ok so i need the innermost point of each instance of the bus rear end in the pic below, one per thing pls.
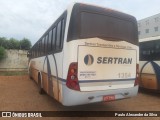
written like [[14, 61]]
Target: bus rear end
[[100, 56]]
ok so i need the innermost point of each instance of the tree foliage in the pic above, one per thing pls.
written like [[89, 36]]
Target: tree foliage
[[2, 53], [13, 43], [25, 44]]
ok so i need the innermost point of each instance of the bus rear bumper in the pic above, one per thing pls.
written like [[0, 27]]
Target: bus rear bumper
[[72, 97]]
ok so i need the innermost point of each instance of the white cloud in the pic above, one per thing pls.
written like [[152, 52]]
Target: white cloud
[[31, 18]]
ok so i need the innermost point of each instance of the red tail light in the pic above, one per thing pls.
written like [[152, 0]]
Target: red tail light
[[137, 75], [72, 78]]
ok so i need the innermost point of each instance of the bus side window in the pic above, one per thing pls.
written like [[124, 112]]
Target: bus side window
[[33, 51], [43, 47], [58, 40], [46, 44], [39, 47], [157, 46], [50, 42], [53, 39], [36, 50], [39, 50], [63, 30]]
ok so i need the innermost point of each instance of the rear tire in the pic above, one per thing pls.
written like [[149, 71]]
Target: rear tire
[[40, 89]]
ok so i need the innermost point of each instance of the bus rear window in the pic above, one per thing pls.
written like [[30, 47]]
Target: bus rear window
[[103, 26], [97, 22]]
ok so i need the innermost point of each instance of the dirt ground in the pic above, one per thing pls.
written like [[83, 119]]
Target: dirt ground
[[19, 93]]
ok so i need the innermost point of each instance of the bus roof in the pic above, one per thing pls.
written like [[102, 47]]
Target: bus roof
[[94, 5], [149, 39], [100, 9]]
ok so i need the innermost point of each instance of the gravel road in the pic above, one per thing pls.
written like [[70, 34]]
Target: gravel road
[[19, 93]]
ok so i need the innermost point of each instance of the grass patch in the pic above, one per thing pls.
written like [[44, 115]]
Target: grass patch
[[13, 73]]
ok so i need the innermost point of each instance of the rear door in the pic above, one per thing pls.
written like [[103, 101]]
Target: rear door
[[106, 66]]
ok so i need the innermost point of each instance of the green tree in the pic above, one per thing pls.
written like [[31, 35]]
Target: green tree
[[2, 53], [6, 44], [2, 41], [25, 44], [14, 44]]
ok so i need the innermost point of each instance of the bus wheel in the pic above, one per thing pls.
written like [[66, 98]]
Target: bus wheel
[[40, 89]]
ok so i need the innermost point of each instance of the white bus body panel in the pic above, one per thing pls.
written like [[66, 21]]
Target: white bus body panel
[[72, 97], [108, 70], [148, 68], [76, 50]]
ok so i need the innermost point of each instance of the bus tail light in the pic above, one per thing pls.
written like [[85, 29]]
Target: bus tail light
[[72, 78], [137, 75]]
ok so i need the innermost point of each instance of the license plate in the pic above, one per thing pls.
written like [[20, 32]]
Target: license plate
[[109, 98]]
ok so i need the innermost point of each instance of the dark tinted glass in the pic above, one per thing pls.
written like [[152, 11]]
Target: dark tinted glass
[[36, 49], [90, 21], [50, 41], [95, 25], [46, 44], [150, 50], [38, 43], [58, 40], [40, 49], [43, 46], [33, 51], [63, 32], [54, 38]]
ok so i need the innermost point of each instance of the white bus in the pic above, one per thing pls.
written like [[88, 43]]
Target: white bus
[[150, 63], [90, 54]]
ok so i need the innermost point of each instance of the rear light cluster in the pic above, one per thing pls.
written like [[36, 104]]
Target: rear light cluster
[[137, 75], [72, 78]]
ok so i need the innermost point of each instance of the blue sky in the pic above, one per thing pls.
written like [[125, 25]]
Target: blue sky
[[31, 18]]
